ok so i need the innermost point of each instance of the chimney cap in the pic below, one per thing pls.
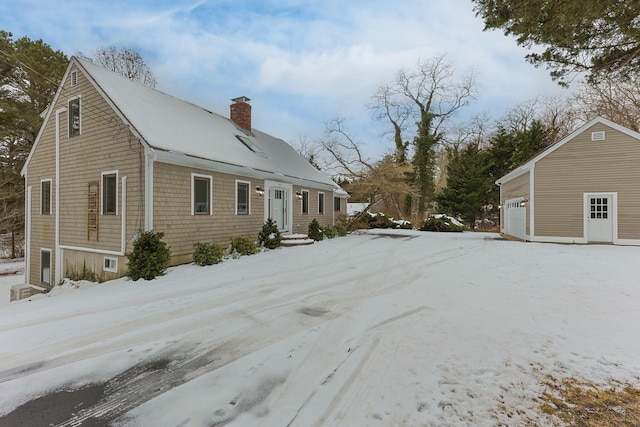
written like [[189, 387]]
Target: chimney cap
[[240, 99]]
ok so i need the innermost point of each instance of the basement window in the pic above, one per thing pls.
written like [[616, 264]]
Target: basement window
[[110, 264], [249, 144]]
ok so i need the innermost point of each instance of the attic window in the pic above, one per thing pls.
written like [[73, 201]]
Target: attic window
[[74, 78], [249, 144], [597, 136]]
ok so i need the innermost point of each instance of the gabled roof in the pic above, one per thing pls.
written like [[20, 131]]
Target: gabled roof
[[176, 128], [527, 166]]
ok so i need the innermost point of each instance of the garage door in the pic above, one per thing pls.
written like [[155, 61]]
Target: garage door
[[515, 218]]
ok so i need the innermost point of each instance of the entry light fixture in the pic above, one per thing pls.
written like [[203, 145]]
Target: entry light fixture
[[299, 194], [259, 190], [524, 202]]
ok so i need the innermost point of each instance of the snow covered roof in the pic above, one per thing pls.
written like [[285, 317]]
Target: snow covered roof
[[171, 125], [527, 166]]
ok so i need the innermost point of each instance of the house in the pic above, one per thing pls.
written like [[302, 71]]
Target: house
[[583, 189], [114, 158]]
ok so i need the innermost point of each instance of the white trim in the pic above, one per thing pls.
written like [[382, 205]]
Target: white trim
[[240, 181], [123, 219], [42, 181], [102, 175], [628, 242], [50, 267], [150, 158], [530, 205], [91, 250], [302, 212], [558, 239], [193, 192], [288, 188], [110, 269], [613, 212], [179, 159], [324, 203], [58, 254], [27, 227]]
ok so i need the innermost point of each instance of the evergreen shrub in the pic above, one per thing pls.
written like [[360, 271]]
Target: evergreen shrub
[[440, 223], [207, 254], [244, 246], [315, 231], [150, 256], [270, 237]]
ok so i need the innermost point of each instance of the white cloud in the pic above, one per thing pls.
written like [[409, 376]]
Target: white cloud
[[301, 63]]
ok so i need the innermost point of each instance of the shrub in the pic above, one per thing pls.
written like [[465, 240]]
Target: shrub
[[150, 256], [207, 254], [244, 246], [441, 223], [341, 230], [315, 231], [270, 237], [329, 232]]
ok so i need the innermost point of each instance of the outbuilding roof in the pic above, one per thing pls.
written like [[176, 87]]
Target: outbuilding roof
[[527, 166]]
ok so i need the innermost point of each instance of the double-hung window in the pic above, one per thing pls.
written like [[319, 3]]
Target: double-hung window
[[305, 202], [45, 197], [242, 198], [74, 117], [336, 204], [201, 194], [320, 203], [109, 193]]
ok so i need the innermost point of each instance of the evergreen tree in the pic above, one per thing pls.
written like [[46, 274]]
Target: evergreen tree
[[594, 36], [467, 194], [29, 75]]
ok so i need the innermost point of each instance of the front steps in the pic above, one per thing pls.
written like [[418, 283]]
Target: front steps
[[289, 240]]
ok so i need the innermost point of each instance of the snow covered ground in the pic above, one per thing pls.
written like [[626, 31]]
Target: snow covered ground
[[388, 328], [11, 273]]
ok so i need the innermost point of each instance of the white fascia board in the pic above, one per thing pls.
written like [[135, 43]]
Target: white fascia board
[[180, 159]]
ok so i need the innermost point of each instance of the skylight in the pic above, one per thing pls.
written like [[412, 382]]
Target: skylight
[[249, 144]]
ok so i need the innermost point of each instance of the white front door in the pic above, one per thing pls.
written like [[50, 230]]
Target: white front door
[[279, 208], [599, 211]]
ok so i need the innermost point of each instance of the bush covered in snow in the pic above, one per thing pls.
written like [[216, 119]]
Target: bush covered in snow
[[315, 231], [207, 254], [380, 220], [270, 237], [243, 246], [150, 256], [441, 222]]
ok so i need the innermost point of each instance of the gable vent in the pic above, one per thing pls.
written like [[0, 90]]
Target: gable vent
[[597, 136], [74, 78]]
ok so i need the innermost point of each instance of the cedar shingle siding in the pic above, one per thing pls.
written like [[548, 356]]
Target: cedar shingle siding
[[106, 143]]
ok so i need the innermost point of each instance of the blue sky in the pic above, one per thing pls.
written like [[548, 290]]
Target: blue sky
[[301, 62]]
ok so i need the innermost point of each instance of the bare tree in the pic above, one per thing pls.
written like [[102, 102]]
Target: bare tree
[[126, 62], [616, 100], [420, 102]]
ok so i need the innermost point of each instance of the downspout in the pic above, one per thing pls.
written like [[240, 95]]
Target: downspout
[[532, 205], [148, 189], [58, 251], [123, 226], [27, 236]]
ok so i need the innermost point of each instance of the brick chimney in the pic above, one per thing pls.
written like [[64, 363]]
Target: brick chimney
[[241, 112]]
